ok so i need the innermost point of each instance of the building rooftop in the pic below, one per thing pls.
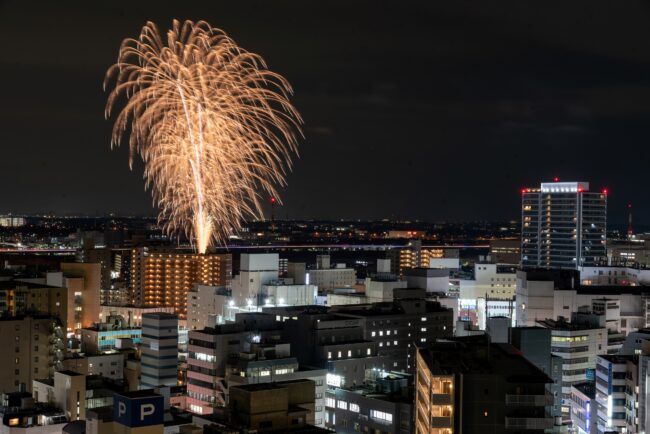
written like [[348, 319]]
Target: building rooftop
[[475, 355], [588, 388], [564, 325]]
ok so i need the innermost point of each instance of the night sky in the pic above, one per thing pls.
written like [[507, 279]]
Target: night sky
[[417, 110]]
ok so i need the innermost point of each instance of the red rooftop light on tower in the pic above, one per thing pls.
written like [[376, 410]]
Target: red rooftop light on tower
[[605, 191], [556, 179]]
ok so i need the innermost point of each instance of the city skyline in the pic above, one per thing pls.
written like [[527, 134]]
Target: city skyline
[[470, 107]]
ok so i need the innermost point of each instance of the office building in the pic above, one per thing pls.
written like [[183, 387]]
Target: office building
[[66, 390], [470, 385], [398, 326], [271, 363], [563, 225], [327, 279], [255, 270], [328, 340], [209, 351], [383, 404], [584, 411], [159, 360], [578, 344], [611, 393], [163, 278]]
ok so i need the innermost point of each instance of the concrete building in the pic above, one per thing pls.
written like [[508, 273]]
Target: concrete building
[[331, 341], [563, 225], [255, 271], [33, 346], [84, 284], [545, 294], [159, 360], [19, 415], [163, 278], [398, 326], [327, 279], [433, 280], [578, 344], [204, 302], [271, 363], [505, 251], [535, 345], [583, 407], [108, 365], [132, 315], [108, 335], [384, 403], [279, 407], [209, 351], [610, 393], [67, 391], [470, 385]]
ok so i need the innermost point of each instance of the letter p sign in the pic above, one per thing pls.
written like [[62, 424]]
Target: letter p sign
[[121, 408], [146, 410]]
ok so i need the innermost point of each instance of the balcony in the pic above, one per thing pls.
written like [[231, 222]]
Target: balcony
[[532, 423], [441, 399], [441, 422]]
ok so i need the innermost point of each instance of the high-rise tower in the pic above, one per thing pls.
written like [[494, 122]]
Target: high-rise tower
[[563, 225]]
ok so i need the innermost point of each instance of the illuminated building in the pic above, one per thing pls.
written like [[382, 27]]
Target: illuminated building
[[209, 351], [610, 393], [578, 344], [383, 404], [159, 361], [414, 255], [163, 279], [12, 221], [106, 335], [471, 385], [583, 407], [563, 225]]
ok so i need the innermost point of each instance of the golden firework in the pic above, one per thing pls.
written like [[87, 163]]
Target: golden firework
[[213, 125]]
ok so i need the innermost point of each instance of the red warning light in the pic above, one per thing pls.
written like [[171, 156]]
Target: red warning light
[[272, 200], [604, 191], [556, 179], [523, 190], [580, 189]]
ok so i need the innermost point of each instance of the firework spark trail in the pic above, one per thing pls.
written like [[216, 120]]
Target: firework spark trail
[[212, 124]]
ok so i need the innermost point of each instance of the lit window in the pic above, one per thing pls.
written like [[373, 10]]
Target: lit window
[[354, 407], [387, 332], [329, 354], [330, 402], [373, 334], [380, 415], [349, 353], [342, 405], [339, 354], [424, 318], [368, 352], [423, 329]]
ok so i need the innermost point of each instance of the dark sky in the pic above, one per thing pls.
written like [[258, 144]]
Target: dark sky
[[436, 110]]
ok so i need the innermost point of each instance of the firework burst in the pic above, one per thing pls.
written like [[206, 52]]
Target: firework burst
[[212, 124]]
